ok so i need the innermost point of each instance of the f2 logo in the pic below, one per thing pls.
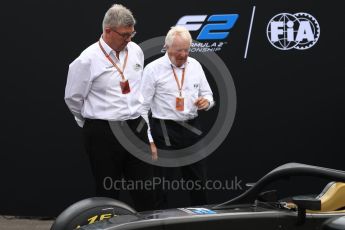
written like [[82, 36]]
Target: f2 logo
[[211, 31]]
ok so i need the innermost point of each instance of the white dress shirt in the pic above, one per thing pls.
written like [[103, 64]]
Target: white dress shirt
[[93, 84], [159, 90]]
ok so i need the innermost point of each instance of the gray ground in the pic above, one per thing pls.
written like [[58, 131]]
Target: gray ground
[[12, 223]]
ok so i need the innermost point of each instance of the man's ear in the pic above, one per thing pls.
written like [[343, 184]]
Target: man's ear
[[107, 30]]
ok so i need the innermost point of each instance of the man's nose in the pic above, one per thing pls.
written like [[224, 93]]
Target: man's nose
[[185, 54]]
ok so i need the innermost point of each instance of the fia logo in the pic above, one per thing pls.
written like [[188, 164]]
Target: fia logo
[[217, 28], [287, 31]]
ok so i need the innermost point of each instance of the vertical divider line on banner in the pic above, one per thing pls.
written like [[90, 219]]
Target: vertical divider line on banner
[[249, 32]]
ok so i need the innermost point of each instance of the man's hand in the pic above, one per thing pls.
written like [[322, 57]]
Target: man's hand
[[154, 153], [202, 103]]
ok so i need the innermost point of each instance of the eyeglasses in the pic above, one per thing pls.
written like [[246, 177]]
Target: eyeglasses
[[126, 35], [182, 50]]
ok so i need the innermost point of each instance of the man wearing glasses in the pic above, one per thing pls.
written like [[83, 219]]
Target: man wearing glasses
[[103, 86]]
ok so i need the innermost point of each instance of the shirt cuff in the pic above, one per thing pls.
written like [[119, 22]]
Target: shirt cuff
[[211, 103], [80, 121], [146, 118]]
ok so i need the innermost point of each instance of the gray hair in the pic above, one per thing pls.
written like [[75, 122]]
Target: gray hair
[[118, 15], [177, 30]]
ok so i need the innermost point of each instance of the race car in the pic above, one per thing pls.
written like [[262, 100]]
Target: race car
[[256, 208]]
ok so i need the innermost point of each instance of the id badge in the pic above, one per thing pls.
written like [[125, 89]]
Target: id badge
[[125, 87], [179, 103]]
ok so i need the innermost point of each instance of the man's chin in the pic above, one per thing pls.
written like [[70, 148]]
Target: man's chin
[[123, 46], [180, 63]]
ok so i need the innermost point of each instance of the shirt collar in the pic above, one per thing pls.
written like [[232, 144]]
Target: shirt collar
[[168, 61], [108, 49]]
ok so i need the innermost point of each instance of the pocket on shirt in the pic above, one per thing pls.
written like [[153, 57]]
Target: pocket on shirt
[[194, 90], [101, 82]]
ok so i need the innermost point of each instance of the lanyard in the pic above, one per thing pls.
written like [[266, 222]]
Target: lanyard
[[114, 64], [176, 79]]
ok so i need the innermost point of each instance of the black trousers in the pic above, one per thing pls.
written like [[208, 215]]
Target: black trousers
[[180, 137], [113, 167]]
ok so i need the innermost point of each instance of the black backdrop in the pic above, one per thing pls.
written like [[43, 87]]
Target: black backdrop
[[290, 104]]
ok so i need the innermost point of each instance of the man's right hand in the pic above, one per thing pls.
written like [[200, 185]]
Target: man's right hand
[[154, 153]]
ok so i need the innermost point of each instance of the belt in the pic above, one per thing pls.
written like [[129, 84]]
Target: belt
[[101, 120], [188, 124], [176, 121]]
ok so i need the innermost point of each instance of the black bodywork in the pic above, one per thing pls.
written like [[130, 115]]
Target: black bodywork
[[254, 209]]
